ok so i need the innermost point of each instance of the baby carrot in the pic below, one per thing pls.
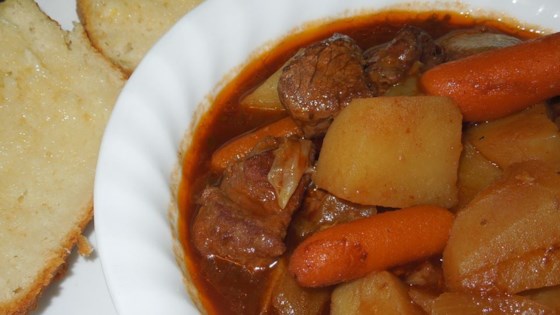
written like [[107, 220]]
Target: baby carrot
[[242, 145], [352, 250], [496, 83]]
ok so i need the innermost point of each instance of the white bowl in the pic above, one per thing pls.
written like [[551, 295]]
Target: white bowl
[[155, 110]]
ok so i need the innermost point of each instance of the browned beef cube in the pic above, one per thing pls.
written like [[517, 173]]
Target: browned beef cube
[[321, 210], [241, 220], [390, 63], [321, 80]]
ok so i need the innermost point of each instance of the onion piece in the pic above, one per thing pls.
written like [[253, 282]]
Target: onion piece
[[291, 161], [463, 43]]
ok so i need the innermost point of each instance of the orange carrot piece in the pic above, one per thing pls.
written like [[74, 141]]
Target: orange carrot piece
[[497, 83], [240, 146], [352, 250]]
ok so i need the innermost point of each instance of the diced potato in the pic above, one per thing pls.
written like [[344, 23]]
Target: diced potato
[[475, 174], [423, 297], [409, 87], [426, 275], [284, 296], [393, 151], [528, 135], [265, 97], [464, 304], [547, 296], [377, 293], [500, 231], [511, 275], [425, 283]]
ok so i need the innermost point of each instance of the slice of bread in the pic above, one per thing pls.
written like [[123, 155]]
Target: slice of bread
[[124, 30], [56, 94]]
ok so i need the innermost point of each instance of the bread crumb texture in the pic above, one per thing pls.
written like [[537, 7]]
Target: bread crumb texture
[[56, 94], [124, 30]]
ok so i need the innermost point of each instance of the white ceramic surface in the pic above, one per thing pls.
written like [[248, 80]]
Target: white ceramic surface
[[83, 290], [139, 150]]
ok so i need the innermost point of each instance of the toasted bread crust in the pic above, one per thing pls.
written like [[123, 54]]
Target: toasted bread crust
[[28, 300], [124, 30]]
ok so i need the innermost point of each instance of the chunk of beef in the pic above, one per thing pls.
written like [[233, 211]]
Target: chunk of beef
[[389, 63], [320, 80], [246, 183], [241, 220], [322, 210], [284, 296], [229, 231]]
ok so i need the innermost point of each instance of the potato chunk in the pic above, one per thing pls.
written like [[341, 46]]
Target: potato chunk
[[549, 296], [393, 151], [475, 173], [284, 296], [507, 229], [512, 276], [265, 96], [528, 135], [377, 293], [463, 304]]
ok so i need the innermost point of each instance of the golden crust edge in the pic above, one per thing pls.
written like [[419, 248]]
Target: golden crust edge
[[52, 269], [83, 15]]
